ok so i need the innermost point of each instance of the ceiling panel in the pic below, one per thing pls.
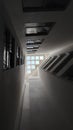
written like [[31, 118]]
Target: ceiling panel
[[37, 29], [44, 5]]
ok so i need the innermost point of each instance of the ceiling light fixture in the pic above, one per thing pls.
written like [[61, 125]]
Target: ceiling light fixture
[[37, 29]]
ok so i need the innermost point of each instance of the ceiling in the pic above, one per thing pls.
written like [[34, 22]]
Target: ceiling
[[60, 36]]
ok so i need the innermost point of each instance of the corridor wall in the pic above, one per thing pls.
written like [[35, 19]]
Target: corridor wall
[[11, 82], [60, 95]]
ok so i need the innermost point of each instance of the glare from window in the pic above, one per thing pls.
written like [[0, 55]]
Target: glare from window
[[32, 64], [41, 57], [28, 58], [37, 57], [28, 62], [32, 57], [28, 67], [37, 62]]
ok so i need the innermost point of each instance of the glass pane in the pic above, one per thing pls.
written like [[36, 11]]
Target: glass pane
[[33, 62], [32, 57], [37, 57], [28, 62], [28, 58], [33, 66], [41, 57], [37, 62], [28, 67]]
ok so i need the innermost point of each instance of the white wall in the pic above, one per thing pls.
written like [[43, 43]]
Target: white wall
[[60, 94]]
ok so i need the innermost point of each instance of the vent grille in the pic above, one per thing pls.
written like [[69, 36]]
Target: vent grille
[[46, 62], [61, 66], [56, 61], [51, 61]]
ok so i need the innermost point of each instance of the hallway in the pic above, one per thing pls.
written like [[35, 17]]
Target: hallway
[[39, 112], [36, 33]]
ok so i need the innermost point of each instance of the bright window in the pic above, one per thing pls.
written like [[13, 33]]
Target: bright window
[[32, 62], [28, 62], [37, 62], [41, 57], [28, 58], [37, 57], [33, 66], [28, 67], [32, 57]]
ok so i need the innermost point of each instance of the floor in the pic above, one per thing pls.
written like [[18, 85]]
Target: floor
[[38, 111]]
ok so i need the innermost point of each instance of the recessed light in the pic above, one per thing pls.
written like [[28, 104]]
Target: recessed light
[[30, 50], [30, 41], [37, 29], [31, 31], [34, 42], [30, 47]]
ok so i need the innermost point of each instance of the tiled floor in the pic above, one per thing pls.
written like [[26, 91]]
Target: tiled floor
[[39, 113]]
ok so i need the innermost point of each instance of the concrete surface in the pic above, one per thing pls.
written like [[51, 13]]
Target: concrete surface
[[39, 110]]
